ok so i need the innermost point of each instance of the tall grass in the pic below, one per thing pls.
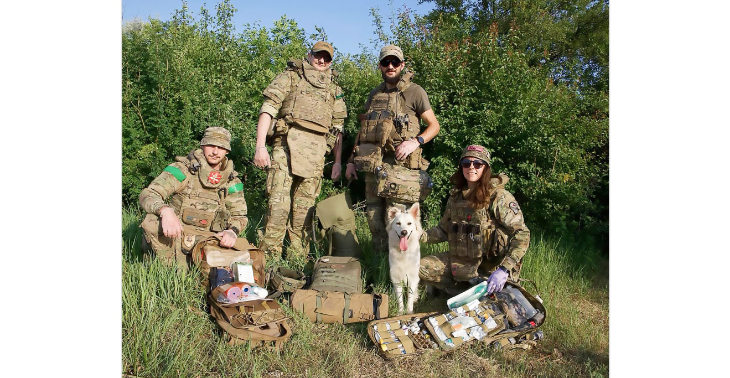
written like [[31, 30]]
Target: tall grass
[[166, 331]]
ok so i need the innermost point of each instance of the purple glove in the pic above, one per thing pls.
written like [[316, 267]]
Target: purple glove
[[496, 280]]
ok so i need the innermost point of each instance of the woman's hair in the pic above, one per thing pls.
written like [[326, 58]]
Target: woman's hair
[[479, 197]]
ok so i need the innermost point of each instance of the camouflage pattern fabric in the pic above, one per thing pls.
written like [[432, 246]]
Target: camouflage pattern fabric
[[506, 245], [307, 151], [376, 213], [199, 196], [299, 99], [291, 202]]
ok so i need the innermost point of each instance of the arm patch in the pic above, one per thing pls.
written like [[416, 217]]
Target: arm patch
[[235, 188], [175, 172]]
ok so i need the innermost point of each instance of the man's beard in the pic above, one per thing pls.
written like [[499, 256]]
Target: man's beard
[[390, 80]]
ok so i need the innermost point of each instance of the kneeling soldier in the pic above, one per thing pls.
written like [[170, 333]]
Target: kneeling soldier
[[205, 198]]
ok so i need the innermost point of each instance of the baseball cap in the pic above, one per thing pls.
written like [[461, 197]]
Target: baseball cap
[[391, 50], [477, 151], [323, 46]]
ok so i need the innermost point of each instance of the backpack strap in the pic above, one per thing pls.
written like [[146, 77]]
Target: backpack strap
[[346, 310], [318, 305]]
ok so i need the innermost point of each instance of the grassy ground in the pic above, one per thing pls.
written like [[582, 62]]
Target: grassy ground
[[166, 331]]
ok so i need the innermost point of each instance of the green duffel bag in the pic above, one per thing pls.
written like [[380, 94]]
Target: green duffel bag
[[402, 184], [335, 273], [335, 225]]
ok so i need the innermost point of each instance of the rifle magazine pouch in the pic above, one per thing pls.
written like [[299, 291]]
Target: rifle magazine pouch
[[368, 157], [339, 307]]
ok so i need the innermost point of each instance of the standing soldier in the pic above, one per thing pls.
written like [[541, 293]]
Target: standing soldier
[[206, 199], [302, 117], [390, 130]]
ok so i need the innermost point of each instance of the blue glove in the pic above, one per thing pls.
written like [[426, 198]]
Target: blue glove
[[496, 280]]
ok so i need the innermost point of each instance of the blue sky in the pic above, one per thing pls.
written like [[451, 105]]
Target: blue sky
[[347, 23]]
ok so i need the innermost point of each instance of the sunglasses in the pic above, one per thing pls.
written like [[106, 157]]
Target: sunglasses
[[466, 163], [322, 55], [387, 62]]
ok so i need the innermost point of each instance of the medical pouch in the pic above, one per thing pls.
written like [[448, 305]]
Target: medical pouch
[[339, 307], [368, 157], [402, 184]]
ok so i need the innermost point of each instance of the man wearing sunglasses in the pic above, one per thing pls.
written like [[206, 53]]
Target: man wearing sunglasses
[[302, 118], [391, 133]]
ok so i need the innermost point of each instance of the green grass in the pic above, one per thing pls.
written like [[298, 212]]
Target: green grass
[[166, 331]]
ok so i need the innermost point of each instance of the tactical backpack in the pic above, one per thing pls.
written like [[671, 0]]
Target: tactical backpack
[[402, 184], [259, 322], [335, 273], [498, 319], [209, 255], [334, 223]]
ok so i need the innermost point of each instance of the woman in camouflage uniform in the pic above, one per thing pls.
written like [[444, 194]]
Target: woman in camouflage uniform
[[484, 227]]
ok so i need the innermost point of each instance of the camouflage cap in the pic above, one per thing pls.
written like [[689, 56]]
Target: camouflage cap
[[478, 152], [323, 46], [217, 136], [391, 50]]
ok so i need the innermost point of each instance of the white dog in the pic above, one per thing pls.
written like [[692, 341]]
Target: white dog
[[404, 252]]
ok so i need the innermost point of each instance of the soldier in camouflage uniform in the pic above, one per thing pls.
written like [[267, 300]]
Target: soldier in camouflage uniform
[[302, 118], [391, 128], [206, 198], [484, 227]]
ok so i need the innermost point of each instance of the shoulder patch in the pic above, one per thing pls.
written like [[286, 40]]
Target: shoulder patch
[[235, 188], [175, 172], [515, 207]]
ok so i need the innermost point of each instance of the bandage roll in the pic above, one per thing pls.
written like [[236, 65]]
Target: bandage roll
[[246, 289], [233, 293]]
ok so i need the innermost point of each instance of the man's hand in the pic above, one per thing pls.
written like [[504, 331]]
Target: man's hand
[[350, 172], [261, 159], [171, 226], [228, 238], [336, 171], [405, 149]]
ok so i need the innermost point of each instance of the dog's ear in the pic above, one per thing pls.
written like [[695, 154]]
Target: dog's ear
[[415, 210], [392, 212]]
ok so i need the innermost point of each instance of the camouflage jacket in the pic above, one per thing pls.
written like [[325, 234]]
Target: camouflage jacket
[[200, 195], [498, 231]]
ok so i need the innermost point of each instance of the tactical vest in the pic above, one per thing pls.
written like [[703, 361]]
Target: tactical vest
[[473, 233], [201, 204], [388, 119], [311, 100]]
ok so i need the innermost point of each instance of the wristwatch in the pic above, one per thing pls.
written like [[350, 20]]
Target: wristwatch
[[420, 140], [234, 229]]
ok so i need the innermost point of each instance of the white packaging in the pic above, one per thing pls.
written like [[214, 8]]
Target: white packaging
[[242, 272]]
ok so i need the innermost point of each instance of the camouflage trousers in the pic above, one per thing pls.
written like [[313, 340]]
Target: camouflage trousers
[[377, 214], [290, 207], [445, 272], [165, 250]]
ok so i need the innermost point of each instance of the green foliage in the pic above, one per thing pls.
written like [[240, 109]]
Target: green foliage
[[550, 137], [528, 80]]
